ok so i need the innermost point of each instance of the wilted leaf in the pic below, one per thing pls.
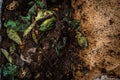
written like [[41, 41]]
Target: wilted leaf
[[26, 32], [39, 15], [42, 14], [13, 35], [34, 37], [82, 41], [7, 55], [26, 59], [47, 24]]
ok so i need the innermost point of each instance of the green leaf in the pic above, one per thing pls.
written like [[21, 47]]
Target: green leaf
[[82, 41], [47, 24], [7, 55], [75, 24], [12, 24], [23, 21], [72, 23], [17, 25], [29, 15], [9, 70], [13, 35], [41, 4], [32, 11], [60, 45], [34, 37]]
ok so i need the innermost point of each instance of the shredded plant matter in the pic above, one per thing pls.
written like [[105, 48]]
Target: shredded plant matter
[[41, 39]]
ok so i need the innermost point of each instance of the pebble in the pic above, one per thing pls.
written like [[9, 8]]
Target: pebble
[[105, 77]]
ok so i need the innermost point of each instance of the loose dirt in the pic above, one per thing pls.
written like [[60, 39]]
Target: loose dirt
[[100, 24], [100, 21]]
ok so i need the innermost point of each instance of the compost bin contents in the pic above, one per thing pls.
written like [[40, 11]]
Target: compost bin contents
[[41, 40]]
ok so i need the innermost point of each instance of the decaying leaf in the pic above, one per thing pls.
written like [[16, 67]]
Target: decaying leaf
[[22, 73], [47, 24], [26, 59], [13, 5], [13, 35], [7, 55], [82, 41], [34, 37], [42, 14], [26, 32]]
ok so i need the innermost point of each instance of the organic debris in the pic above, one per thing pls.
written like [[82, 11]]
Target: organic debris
[[82, 41], [7, 55], [13, 35], [47, 24], [43, 39], [13, 5]]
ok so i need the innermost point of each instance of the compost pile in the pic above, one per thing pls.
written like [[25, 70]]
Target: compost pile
[[41, 41]]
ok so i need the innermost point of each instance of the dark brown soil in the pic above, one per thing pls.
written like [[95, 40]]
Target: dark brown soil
[[100, 21], [44, 63]]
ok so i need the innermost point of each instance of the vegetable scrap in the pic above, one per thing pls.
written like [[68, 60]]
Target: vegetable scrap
[[47, 29], [82, 41], [47, 24], [7, 55], [13, 35]]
